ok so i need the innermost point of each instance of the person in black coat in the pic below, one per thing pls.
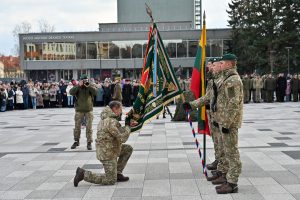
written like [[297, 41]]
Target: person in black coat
[[281, 87], [25, 91], [126, 93], [106, 93], [135, 89]]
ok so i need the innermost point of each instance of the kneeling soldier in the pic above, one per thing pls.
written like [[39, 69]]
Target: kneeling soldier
[[110, 149]]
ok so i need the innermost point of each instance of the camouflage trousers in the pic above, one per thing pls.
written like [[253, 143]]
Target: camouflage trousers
[[89, 122], [215, 134], [111, 168], [230, 163]]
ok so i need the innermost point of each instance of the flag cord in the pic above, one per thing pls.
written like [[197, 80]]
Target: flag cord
[[197, 143]]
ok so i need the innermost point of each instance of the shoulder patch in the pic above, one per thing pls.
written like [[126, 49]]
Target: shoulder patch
[[231, 93]]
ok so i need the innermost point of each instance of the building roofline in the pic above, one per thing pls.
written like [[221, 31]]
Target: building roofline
[[82, 32]]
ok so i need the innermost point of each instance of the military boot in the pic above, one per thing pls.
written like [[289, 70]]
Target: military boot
[[89, 146], [214, 176], [219, 186], [212, 166], [228, 188], [79, 176], [220, 180], [122, 178], [75, 144]]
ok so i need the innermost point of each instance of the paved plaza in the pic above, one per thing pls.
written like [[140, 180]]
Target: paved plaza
[[36, 161]]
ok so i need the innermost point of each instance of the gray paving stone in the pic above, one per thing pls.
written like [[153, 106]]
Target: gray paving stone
[[156, 188], [128, 192], [164, 164], [42, 194], [184, 187]]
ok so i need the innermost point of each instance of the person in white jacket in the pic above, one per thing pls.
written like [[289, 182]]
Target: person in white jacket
[[19, 98], [69, 96]]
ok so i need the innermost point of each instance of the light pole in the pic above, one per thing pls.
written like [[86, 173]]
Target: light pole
[[100, 66], [288, 49]]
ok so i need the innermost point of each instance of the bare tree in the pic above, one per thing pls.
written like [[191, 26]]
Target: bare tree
[[45, 27], [24, 27]]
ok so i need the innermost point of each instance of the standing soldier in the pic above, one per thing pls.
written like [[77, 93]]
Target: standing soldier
[[117, 90], [229, 114], [213, 67], [246, 88], [110, 150], [270, 86], [84, 94], [257, 86]]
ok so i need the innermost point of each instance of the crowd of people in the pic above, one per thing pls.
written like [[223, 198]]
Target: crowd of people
[[32, 95], [36, 95], [269, 88]]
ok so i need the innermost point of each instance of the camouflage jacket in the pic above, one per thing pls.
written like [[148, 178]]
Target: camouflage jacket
[[110, 135], [117, 95], [206, 99], [230, 100]]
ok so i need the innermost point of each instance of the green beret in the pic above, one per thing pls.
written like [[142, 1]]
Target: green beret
[[83, 76], [218, 59], [212, 59], [229, 56]]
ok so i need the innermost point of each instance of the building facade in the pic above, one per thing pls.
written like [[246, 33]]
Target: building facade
[[115, 48]]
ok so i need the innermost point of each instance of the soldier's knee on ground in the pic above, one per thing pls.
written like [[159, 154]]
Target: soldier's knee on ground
[[110, 181]]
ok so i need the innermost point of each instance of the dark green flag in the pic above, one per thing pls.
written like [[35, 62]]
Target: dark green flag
[[152, 97]]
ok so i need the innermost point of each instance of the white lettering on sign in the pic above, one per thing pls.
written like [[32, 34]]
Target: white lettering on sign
[[49, 37]]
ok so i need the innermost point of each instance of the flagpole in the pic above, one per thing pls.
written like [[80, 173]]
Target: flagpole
[[204, 135]]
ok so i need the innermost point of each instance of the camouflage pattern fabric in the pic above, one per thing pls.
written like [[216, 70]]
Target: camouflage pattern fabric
[[110, 136], [230, 142], [89, 122], [117, 95], [229, 115], [111, 168], [230, 100], [180, 114]]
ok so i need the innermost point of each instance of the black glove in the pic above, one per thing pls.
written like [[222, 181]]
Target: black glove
[[127, 121], [186, 106], [225, 130]]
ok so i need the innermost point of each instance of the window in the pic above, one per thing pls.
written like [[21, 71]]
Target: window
[[81, 51], [171, 48], [113, 51], [125, 49], [33, 51], [103, 50], [92, 50], [58, 51], [182, 49], [216, 48], [137, 49], [193, 47]]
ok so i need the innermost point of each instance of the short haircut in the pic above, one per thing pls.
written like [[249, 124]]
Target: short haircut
[[114, 104]]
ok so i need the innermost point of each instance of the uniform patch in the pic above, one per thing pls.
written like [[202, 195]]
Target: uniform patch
[[231, 93]]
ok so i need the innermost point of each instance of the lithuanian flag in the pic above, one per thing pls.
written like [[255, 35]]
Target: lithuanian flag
[[198, 83]]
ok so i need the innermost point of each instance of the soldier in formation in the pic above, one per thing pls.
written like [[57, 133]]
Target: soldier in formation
[[227, 111]]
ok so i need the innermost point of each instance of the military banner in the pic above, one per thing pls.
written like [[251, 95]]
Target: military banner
[[159, 84]]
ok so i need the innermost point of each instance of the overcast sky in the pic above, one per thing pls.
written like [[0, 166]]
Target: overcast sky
[[78, 15]]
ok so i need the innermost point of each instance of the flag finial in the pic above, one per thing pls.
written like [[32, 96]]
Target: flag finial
[[149, 12]]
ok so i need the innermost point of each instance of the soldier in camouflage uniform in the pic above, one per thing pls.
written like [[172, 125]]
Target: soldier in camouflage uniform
[[229, 116], [84, 94], [207, 99], [110, 150]]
